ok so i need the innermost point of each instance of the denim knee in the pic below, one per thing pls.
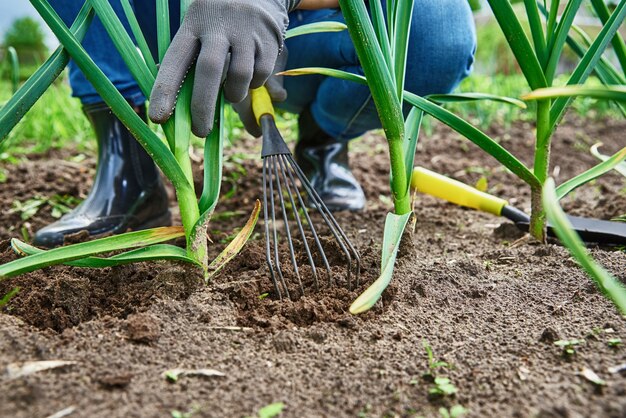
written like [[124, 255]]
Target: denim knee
[[441, 47]]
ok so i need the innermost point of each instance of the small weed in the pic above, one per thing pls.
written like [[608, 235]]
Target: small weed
[[6, 298], [433, 363], [188, 414], [569, 346], [364, 412], [270, 411], [442, 387], [25, 233], [613, 342], [59, 205], [456, 411]]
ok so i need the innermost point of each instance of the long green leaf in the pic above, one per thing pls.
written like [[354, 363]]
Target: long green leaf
[[404, 16], [619, 46], [79, 251], [615, 93], [536, 30], [464, 128], [551, 24], [125, 45], [233, 248], [591, 174], [412, 126], [605, 71], [394, 228], [559, 38], [184, 5], [476, 136], [471, 97], [213, 161], [382, 34], [589, 61], [139, 37], [182, 126], [161, 154], [608, 284], [155, 252], [620, 168], [22, 101], [330, 72], [519, 43], [163, 27], [317, 27]]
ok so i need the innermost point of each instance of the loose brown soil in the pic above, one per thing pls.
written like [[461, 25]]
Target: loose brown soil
[[490, 309]]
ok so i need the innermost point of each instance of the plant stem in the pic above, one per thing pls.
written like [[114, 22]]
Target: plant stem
[[402, 203], [383, 88], [542, 164]]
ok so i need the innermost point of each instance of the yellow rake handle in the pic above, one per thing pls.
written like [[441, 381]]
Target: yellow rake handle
[[261, 103], [454, 191]]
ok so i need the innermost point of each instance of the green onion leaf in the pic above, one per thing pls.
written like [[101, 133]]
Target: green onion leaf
[[79, 251], [593, 173], [316, 27], [608, 284], [394, 228], [152, 253]]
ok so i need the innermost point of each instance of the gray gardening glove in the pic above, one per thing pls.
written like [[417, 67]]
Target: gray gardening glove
[[277, 93], [252, 31]]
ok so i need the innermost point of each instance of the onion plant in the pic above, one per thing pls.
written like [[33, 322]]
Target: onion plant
[[380, 36], [171, 155], [538, 61]]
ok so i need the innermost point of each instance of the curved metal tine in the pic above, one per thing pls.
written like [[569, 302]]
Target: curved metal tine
[[332, 224], [285, 169], [268, 251], [316, 237], [276, 257], [281, 199]]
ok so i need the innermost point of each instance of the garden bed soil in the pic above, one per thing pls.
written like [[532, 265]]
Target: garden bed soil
[[489, 308]]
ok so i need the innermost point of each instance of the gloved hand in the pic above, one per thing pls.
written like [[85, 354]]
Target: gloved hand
[[251, 31], [277, 93]]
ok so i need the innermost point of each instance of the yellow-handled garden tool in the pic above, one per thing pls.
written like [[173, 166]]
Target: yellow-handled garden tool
[[434, 184], [281, 175]]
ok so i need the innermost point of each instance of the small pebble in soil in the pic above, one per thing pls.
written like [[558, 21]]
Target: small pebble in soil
[[143, 328]]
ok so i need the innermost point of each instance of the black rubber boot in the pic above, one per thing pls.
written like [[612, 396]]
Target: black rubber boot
[[127, 193], [324, 161]]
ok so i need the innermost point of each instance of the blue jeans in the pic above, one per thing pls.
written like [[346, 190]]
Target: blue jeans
[[441, 53]]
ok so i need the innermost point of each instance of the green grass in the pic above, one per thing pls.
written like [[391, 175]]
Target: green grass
[[56, 121]]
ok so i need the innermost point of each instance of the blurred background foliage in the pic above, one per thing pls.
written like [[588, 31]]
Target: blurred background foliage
[[57, 121]]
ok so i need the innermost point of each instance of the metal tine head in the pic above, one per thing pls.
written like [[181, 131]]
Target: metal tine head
[[350, 252], [298, 205], [281, 176]]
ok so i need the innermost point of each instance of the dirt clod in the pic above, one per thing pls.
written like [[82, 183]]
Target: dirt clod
[[143, 328]]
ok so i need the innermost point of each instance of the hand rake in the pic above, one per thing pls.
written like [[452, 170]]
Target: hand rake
[[281, 175]]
